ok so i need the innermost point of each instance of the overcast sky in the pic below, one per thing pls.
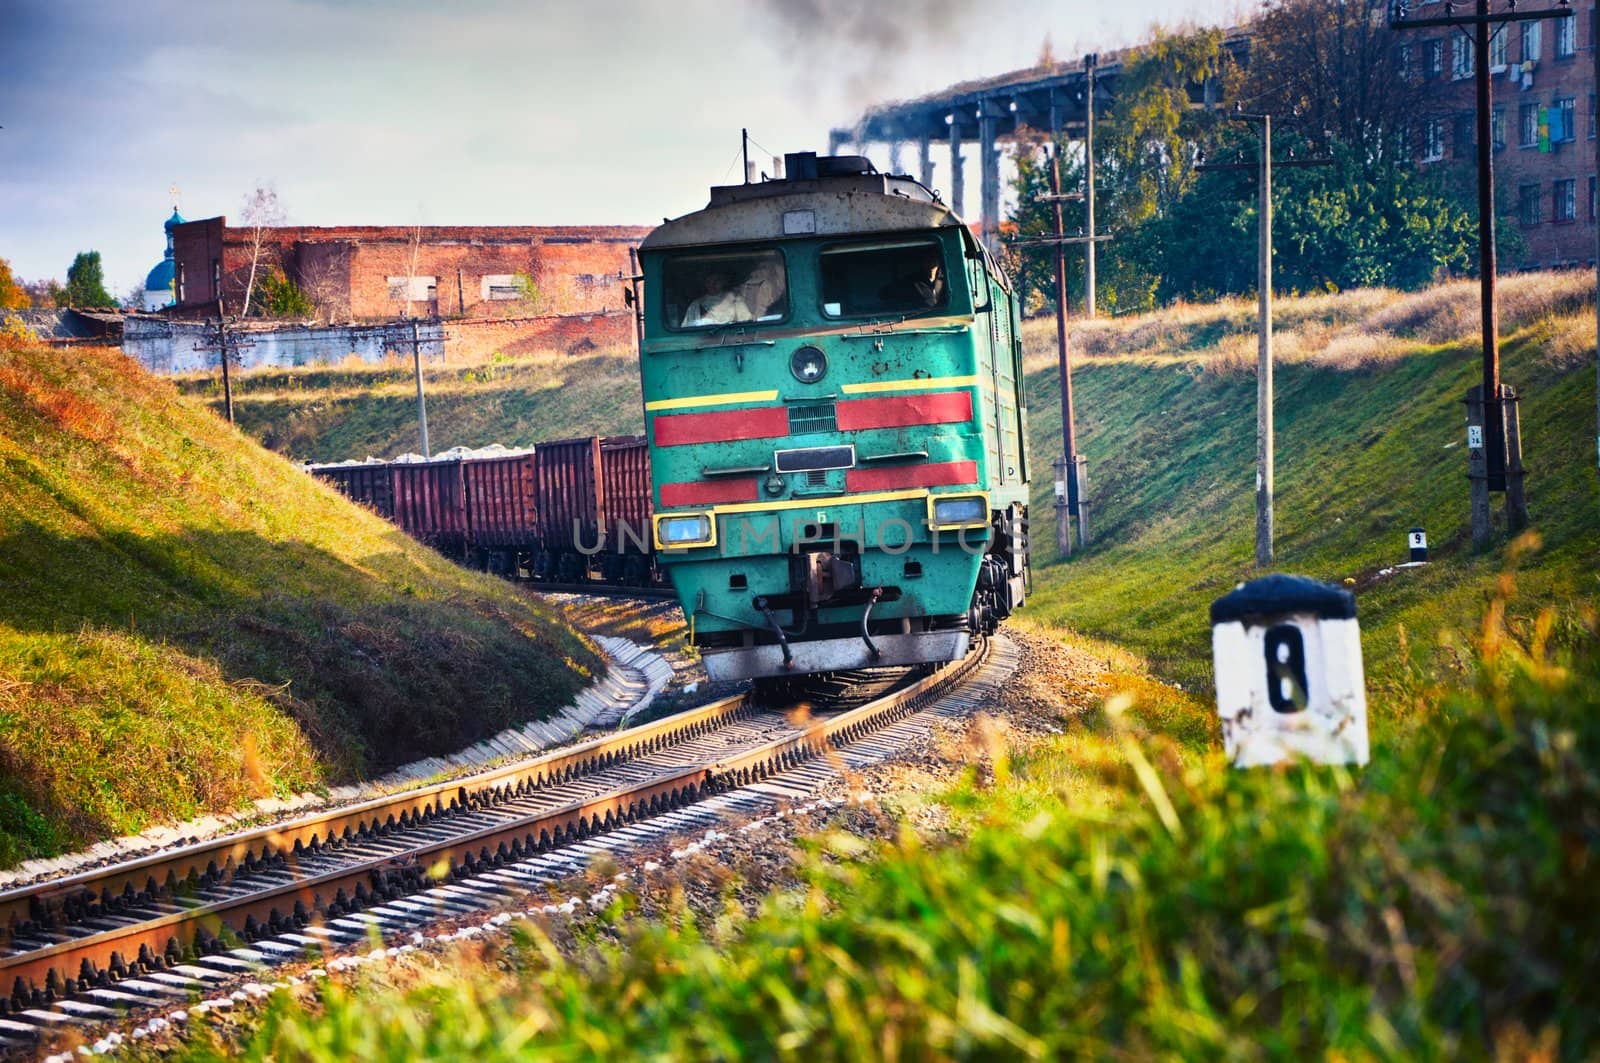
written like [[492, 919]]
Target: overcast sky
[[390, 112]]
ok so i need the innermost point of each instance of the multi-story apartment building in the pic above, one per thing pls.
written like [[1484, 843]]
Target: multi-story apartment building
[[1543, 124]]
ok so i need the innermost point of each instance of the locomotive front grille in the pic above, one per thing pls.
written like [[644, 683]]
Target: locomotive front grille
[[814, 459], [812, 417]]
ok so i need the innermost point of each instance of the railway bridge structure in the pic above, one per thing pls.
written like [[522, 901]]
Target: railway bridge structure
[[991, 112]]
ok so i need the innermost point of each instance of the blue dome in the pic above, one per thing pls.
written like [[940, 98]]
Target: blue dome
[[173, 222], [160, 278]]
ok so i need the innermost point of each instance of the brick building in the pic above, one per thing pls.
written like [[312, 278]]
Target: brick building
[[366, 273], [1543, 124]]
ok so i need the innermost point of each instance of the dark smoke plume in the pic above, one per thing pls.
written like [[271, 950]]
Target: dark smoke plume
[[861, 44]]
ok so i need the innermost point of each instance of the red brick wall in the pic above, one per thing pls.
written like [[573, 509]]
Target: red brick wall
[[345, 269]]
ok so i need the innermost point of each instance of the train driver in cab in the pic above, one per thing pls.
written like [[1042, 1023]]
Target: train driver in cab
[[718, 305], [922, 287]]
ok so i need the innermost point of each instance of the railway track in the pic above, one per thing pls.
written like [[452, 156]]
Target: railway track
[[165, 927]]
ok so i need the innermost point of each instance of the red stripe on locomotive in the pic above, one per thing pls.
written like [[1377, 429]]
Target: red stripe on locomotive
[[723, 426], [902, 411], [936, 475], [708, 491]]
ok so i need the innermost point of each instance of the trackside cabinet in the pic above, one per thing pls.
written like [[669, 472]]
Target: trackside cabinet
[[1290, 685]]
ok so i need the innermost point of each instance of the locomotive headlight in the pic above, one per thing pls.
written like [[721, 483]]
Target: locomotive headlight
[[693, 529], [959, 511], [808, 365]]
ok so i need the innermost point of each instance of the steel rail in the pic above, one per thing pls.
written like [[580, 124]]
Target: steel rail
[[41, 976], [45, 901]]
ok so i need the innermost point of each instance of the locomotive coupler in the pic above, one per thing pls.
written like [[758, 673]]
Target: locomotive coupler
[[877, 592], [777, 629]]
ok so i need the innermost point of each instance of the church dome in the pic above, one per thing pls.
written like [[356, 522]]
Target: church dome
[[174, 221], [160, 278]]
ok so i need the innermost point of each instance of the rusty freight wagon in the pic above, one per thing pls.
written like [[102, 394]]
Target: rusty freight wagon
[[502, 517], [430, 503], [625, 481], [570, 510], [369, 483]]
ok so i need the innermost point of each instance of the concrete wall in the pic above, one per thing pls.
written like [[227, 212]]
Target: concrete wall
[[174, 346]]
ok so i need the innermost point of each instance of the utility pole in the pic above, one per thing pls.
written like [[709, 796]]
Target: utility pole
[[1265, 394], [1066, 468], [1594, 50], [222, 346], [1090, 62], [1264, 472], [1490, 467], [422, 403]]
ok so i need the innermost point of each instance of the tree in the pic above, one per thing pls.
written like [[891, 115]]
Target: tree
[[46, 294], [261, 211], [1338, 67], [134, 300], [12, 294], [86, 282], [281, 297], [1032, 268]]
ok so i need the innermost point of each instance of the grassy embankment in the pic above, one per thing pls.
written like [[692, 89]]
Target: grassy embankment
[[331, 414], [1114, 890], [1370, 442], [189, 621]]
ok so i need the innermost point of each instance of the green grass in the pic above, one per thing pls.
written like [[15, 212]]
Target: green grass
[[1370, 442], [189, 621], [1437, 904], [334, 414]]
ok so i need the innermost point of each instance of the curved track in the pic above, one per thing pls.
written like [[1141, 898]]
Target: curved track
[[164, 925]]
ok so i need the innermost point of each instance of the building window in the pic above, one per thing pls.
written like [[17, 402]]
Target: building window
[[1564, 200], [1563, 120], [1567, 36], [1466, 138], [1532, 36], [1528, 125], [1591, 116], [1432, 59], [1528, 204], [1433, 140], [1498, 49], [1497, 125], [182, 293], [1405, 57], [1461, 58], [499, 287], [422, 290]]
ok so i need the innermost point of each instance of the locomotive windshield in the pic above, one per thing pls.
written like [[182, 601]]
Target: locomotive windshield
[[703, 290], [884, 277]]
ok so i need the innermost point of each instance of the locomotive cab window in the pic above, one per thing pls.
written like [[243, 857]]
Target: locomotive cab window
[[703, 290], [884, 277]]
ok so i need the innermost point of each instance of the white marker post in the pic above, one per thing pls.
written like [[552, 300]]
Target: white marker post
[[1289, 676]]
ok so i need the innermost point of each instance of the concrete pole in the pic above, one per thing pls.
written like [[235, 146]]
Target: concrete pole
[[958, 183], [422, 404], [989, 176], [1264, 477], [925, 160], [1089, 63], [1067, 468]]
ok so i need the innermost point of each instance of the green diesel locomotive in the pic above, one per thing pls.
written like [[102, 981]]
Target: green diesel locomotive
[[832, 382]]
